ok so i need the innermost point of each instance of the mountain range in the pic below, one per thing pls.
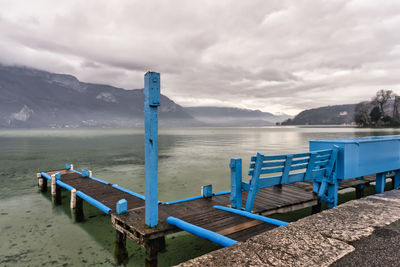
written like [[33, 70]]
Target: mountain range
[[31, 98]]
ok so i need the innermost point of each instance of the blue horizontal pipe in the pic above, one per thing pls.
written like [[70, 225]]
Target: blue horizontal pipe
[[76, 171], [183, 200], [253, 216], [45, 175], [96, 179], [94, 202], [99, 180], [196, 197], [64, 185], [201, 232], [128, 191], [221, 193]]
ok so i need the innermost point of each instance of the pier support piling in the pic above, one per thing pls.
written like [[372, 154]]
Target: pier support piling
[[120, 251], [152, 247], [360, 191], [42, 182], [73, 199], [316, 208], [55, 191], [77, 210]]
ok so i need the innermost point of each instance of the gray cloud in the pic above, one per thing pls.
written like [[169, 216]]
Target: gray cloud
[[270, 55]]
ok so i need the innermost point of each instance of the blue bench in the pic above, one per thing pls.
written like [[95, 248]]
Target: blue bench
[[265, 171]]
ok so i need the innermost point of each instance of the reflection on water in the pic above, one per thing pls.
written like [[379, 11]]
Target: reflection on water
[[32, 232]]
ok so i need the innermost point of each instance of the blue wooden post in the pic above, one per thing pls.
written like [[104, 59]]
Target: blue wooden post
[[206, 190], [122, 206], [333, 195], [380, 183], [396, 179], [254, 183], [236, 183], [151, 102]]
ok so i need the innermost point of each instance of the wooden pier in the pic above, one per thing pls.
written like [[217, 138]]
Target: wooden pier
[[278, 184], [199, 211]]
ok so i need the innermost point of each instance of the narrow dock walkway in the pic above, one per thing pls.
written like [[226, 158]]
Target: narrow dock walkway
[[198, 211], [101, 191]]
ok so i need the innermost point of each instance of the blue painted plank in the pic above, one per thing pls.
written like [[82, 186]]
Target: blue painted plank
[[270, 164], [298, 161], [311, 166], [298, 167], [151, 102], [286, 170], [321, 163], [254, 183]]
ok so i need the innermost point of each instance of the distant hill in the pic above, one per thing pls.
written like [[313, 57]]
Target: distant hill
[[226, 116], [330, 115], [33, 98]]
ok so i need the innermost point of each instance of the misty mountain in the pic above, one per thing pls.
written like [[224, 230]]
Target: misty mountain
[[34, 98], [226, 116], [329, 115]]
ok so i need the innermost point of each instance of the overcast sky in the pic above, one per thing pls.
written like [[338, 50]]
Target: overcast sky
[[276, 56]]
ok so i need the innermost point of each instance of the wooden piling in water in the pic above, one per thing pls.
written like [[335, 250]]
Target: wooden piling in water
[[55, 191], [120, 251], [152, 247], [42, 182], [73, 199], [76, 205]]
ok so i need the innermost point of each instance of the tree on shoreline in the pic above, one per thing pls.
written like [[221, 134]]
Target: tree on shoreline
[[373, 114]]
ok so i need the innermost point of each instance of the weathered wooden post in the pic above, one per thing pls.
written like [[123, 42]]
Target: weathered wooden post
[[55, 189], [151, 103], [120, 251], [42, 182], [76, 206]]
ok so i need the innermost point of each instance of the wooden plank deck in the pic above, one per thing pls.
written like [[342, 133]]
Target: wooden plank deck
[[104, 193], [200, 212]]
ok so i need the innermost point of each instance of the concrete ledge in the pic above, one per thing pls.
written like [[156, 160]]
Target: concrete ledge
[[317, 240]]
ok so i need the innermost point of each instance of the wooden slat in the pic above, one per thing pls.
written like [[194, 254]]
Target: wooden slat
[[298, 161], [239, 227]]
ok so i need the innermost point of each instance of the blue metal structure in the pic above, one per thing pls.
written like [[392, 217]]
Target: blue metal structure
[[253, 216], [364, 156], [318, 166], [201, 232], [151, 103]]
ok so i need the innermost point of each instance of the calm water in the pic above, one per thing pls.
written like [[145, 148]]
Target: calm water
[[33, 232]]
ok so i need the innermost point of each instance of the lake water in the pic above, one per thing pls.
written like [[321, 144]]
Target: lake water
[[33, 232]]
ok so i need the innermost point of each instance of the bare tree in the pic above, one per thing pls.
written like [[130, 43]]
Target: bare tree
[[361, 114], [396, 105], [381, 98]]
